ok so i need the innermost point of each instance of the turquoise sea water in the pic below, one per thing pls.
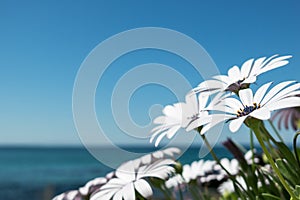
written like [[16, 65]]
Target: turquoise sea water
[[40, 173]]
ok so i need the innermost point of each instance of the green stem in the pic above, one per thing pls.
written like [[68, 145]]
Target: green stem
[[275, 130], [295, 147], [256, 129]]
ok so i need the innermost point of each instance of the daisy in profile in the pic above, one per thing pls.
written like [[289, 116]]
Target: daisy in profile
[[241, 78], [130, 180], [189, 115], [261, 104]]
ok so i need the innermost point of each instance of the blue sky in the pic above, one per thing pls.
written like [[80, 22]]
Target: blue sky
[[43, 44]]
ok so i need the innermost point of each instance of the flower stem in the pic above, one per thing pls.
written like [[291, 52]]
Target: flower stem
[[256, 129]]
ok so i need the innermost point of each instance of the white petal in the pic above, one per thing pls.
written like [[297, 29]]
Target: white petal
[[146, 159], [285, 92], [104, 194], [202, 99], [171, 132], [113, 183], [159, 138], [160, 120], [285, 103], [171, 111], [214, 85], [128, 192], [126, 171], [261, 113], [118, 195], [260, 93], [251, 79], [191, 99], [233, 103], [197, 123], [274, 91], [257, 66], [236, 123], [216, 119], [246, 97], [234, 73], [246, 67], [223, 78], [275, 63], [143, 188]]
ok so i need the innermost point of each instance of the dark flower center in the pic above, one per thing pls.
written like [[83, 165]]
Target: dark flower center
[[235, 87], [247, 109]]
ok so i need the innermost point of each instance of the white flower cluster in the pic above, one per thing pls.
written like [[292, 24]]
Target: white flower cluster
[[197, 112]]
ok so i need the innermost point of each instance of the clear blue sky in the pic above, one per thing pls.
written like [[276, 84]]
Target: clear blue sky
[[43, 43]]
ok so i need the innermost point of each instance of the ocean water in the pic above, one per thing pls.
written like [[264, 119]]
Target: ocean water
[[41, 173]]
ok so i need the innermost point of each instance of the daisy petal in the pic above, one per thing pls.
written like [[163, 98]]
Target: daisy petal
[[275, 63], [171, 132], [128, 192], [274, 91], [159, 138], [246, 67], [104, 194], [233, 103], [251, 79], [257, 66], [246, 97], [260, 93], [236, 124], [216, 119], [223, 78], [143, 188], [285, 103], [126, 171], [197, 123], [262, 113], [234, 73]]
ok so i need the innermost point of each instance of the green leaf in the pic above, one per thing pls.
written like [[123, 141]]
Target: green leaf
[[297, 191], [286, 172], [287, 154], [270, 196]]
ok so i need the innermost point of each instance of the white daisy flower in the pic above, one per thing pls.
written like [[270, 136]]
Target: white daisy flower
[[198, 169], [130, 180], [231, 166], [189, 115], [174, 181], [241, 78], [249, 155], [261, 104], [227, 187]]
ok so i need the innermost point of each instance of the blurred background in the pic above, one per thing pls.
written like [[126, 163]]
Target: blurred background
[[43, 43]]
